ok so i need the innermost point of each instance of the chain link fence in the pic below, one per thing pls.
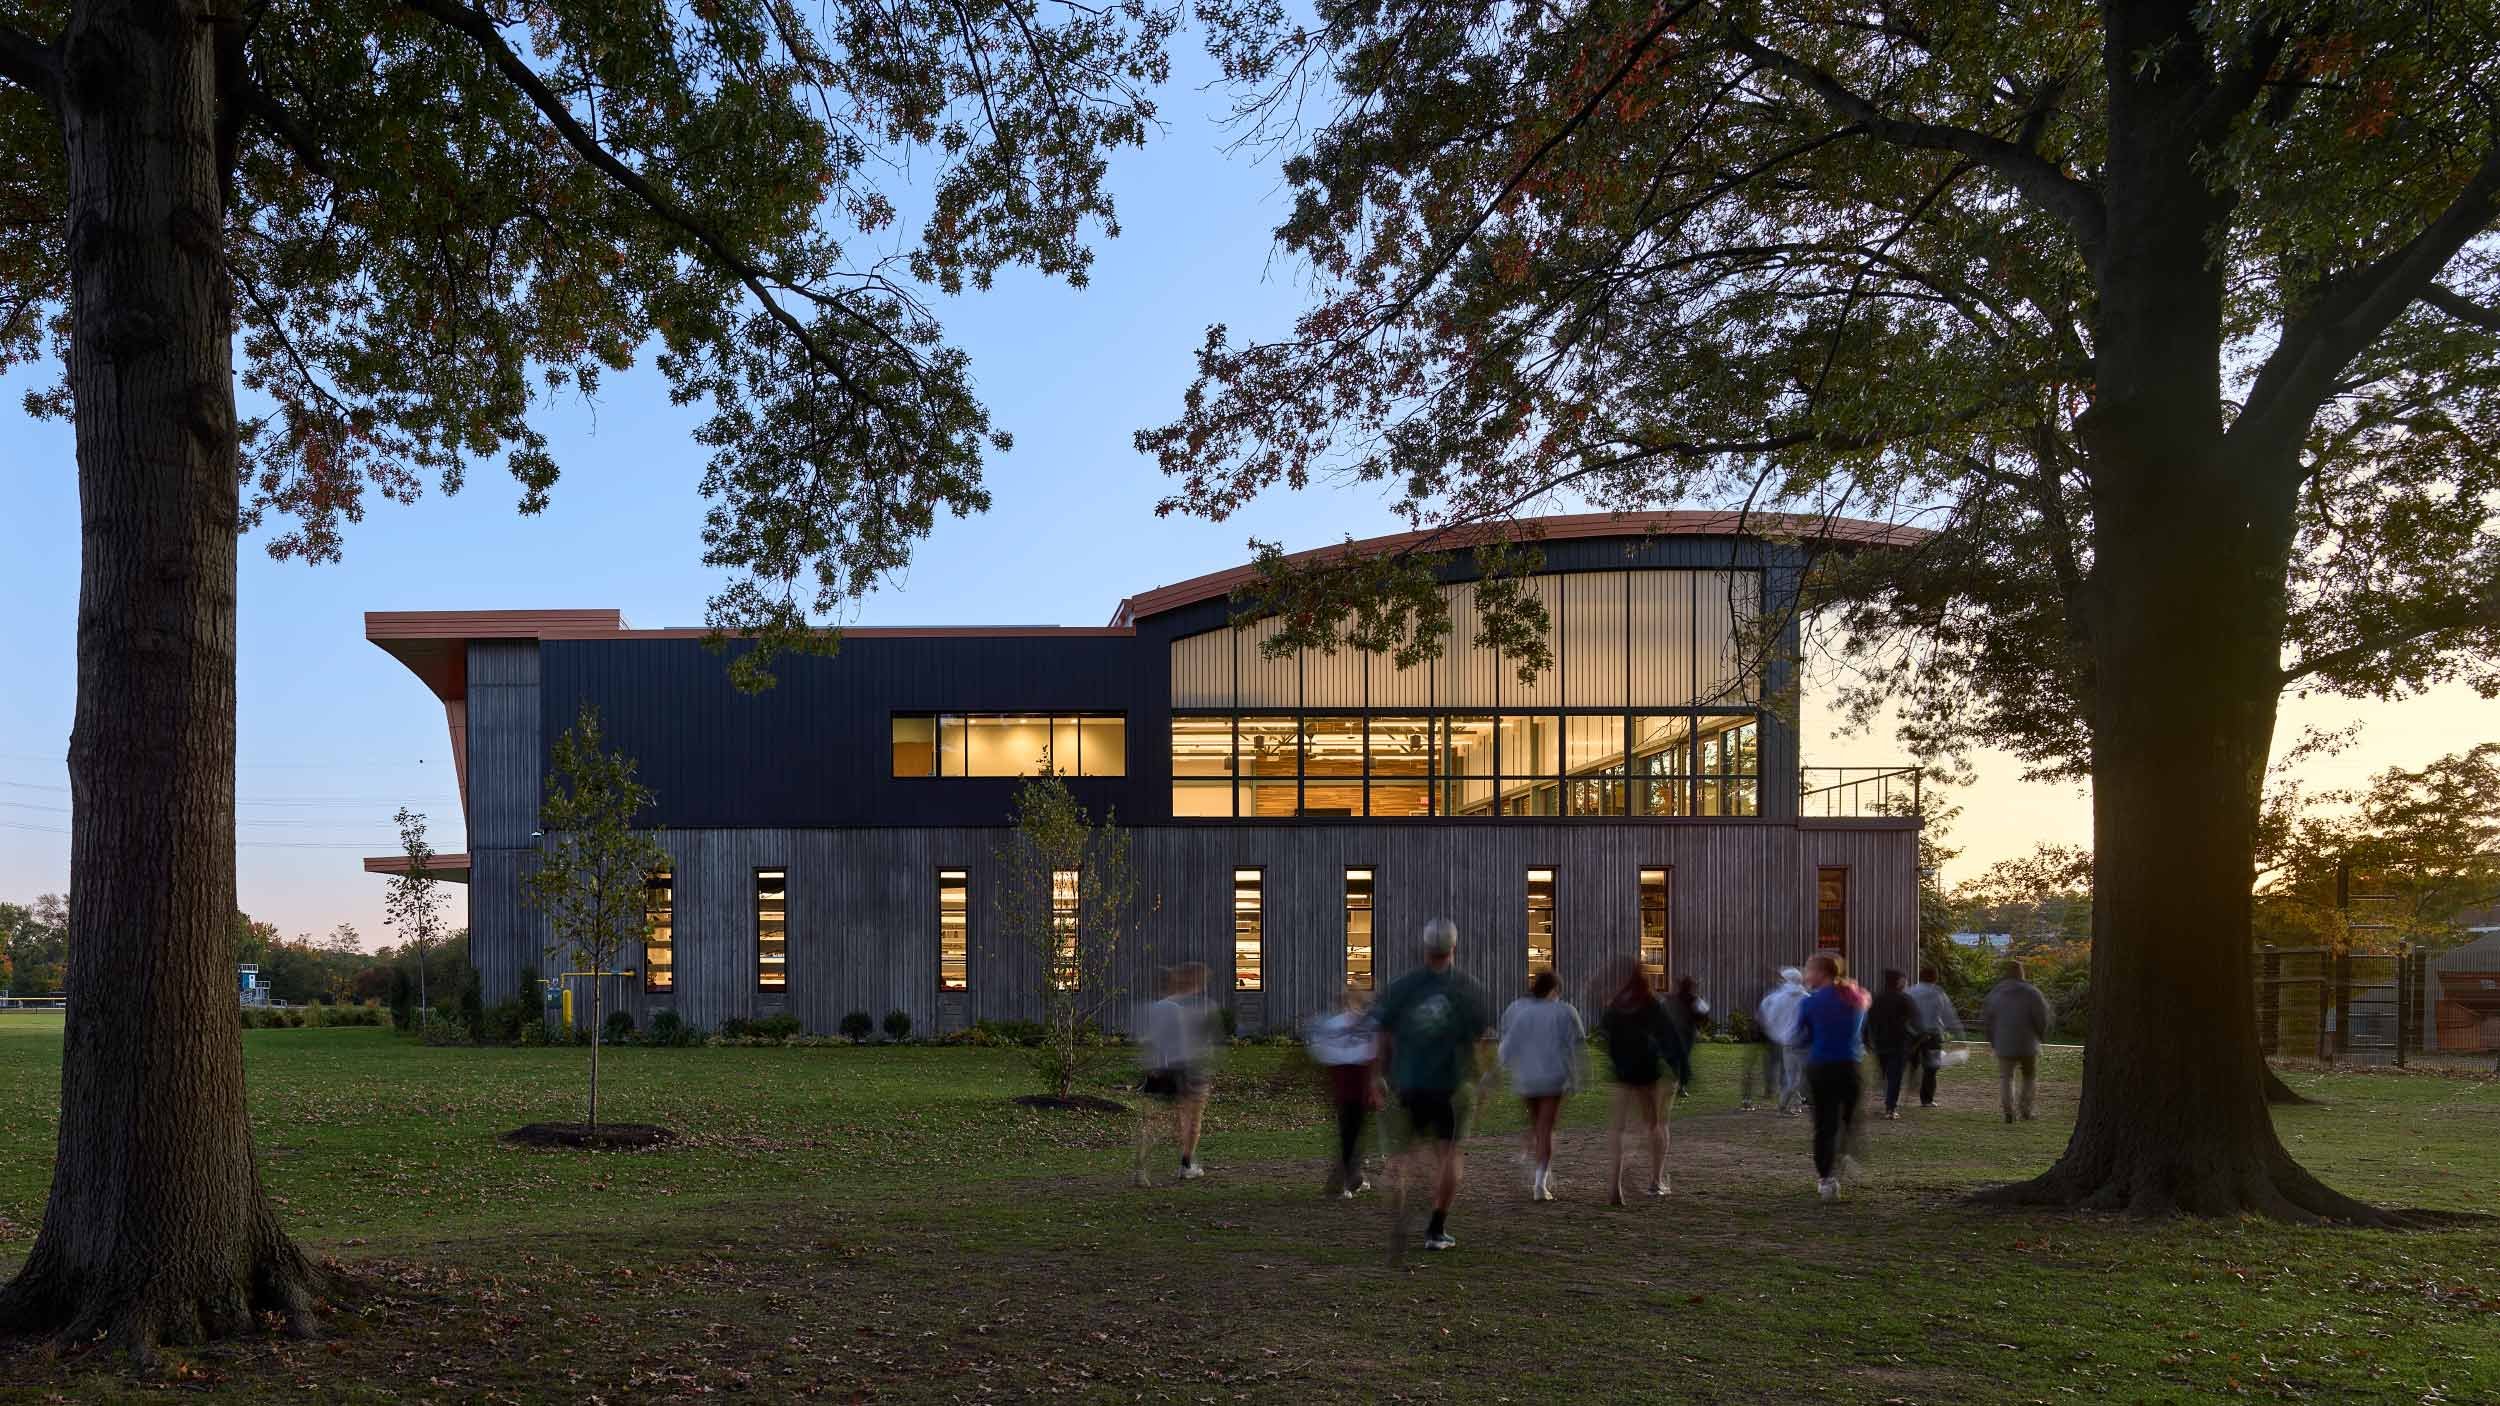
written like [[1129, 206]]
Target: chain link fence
[[2397, 1007]]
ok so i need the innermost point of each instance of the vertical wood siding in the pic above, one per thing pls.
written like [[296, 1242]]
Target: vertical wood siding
[[863, 910]]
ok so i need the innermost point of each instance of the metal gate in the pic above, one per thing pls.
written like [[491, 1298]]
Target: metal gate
[[2330, 1004]]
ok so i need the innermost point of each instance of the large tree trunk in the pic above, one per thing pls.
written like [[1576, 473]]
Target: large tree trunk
[[156, 1229], [2191, 545]]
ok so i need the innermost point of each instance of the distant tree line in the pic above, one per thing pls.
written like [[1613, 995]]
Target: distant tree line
[[300, 970]]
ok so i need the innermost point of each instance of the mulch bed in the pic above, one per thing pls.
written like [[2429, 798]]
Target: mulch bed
[[1073, 1103], [606, 1137]]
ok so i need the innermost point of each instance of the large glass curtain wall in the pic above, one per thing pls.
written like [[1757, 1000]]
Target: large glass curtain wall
[[1409, 765], [1648, 709]]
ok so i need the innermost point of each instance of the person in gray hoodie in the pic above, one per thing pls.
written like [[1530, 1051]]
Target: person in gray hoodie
[[1937, 1019], [2017, 1019]]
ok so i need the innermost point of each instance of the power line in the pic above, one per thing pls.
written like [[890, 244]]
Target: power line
[[276, 802], [239, 844]]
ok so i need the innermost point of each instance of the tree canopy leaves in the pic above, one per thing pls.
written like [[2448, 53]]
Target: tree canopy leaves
[[444, 217], [1883, 262]]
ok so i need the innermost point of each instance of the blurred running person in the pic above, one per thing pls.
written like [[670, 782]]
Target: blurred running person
[[1646, 1046], [1342, 1044], [1777, 1016], [2017, 1019], [1763, 1055], [1175, 1042], [1937, 1019], [1430, 1020], [1892, 1029], [1541, 1039], [1831, 1024]]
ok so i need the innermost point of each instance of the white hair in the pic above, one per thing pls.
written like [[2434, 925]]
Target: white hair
[[1440, 935]]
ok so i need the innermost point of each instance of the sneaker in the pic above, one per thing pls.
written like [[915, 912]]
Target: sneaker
[[1546, 1191], [1191, 1171], [1892, 1115], [1660, 1188], [1442, 1241], [1347, 1195], [1143, 1180], [1745, 1107], [1828, 1188], [1358, 1186]]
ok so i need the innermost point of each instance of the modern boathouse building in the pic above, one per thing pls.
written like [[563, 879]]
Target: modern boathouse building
[[1293, 821]]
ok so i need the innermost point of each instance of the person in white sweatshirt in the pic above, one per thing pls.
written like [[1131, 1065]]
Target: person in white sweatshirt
[[1342, 1045], [1777, 1016], [1541, 1040]]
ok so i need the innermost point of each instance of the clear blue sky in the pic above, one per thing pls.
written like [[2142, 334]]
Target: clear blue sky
[[335, 735]]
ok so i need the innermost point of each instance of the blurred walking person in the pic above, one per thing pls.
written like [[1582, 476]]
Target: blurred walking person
[[2017, 1018], [1831, 1027], [1892, 1029], [1646, 1046], [1937, 1019], [1777, 1016], [1175, 1042], [1541, 1039], [1342, 1044], [1430, 1021]]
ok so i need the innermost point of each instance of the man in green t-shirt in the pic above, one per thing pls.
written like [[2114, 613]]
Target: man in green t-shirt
[[1430, 1020]]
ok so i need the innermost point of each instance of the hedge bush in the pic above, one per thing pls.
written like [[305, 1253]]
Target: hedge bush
[[898, 1025]]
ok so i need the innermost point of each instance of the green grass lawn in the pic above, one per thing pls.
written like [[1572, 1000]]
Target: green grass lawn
[[881, 1224]]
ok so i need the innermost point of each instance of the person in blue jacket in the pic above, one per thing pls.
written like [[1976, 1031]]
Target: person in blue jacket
[[1831, 1029]]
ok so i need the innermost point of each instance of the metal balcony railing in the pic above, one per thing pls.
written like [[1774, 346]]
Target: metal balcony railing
[[1858, 792]]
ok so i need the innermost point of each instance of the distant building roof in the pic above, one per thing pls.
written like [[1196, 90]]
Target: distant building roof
[[1998, 940]]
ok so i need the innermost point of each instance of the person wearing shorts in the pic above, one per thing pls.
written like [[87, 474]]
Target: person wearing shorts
[[1541, 1042], [1174, 1040], [1430, 1021]]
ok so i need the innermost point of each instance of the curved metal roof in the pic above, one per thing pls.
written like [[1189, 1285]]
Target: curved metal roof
[[1854, 532]]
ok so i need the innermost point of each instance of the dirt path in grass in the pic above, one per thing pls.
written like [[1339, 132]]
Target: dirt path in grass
[[1243, 1285]]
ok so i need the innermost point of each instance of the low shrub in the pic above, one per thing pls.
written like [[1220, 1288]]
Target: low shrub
[[670, 1030], [471, 1004], [1008, 1032], [534, 1032], [443, 1028], [307, 1017], [783, 1026], [618, 1029], [898, 1025], [857, 1027]]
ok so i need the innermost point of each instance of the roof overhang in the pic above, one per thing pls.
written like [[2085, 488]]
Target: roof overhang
[[450, 868], [1845, 532]]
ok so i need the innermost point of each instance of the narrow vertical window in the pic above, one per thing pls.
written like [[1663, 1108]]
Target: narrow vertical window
[[1540, 920], [1065, 893], [1831, 909], [659, 939], [1655, 940], [954, 927], [772, 930], [1249, 926], [1358, 929]]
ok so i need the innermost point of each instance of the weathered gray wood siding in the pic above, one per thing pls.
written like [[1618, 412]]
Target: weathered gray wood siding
[[863, 909]]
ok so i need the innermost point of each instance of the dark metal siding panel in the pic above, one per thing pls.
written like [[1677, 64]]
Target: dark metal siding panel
[[815, 750], [506, 753]]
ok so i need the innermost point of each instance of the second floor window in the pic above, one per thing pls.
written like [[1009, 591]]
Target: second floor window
[[1010, 744]]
